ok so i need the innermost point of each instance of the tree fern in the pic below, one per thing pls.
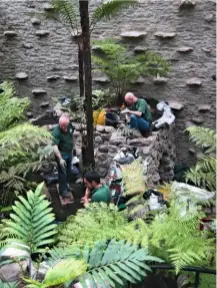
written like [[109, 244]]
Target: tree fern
[[31, 222], [204, 173], [122, 68]]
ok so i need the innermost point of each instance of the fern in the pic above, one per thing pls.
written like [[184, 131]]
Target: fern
[[203, 137], [180, 237], [106, 264], [31, 223], [123, 69], [204, 173], [19, 144], [108, 10]]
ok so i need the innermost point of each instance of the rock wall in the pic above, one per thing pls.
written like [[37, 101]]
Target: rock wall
[[41, 57], [157, 151]]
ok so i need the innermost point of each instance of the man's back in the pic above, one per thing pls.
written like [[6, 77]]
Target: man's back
[[142, 106], [101, 194]]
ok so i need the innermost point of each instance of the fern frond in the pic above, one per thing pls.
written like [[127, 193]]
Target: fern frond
[[64, 11], [31, 222], [203, 137], [115, 263], [109, 9]]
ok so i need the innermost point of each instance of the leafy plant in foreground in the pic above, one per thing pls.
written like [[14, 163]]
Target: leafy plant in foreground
[[21, 145], [31, 222], [106, 264], [204, 173]]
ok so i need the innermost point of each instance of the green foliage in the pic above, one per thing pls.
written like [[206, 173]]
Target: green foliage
[[64, 271], [170, 236], [109, 9], [122, 68], [13, 284], [103, 264], [178, 240], [20, 144], [204, 173], [31, 222], [97, 221]]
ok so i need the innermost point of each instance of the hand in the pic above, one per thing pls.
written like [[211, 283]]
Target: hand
[[62, 163], [84, 200], [125, 111]]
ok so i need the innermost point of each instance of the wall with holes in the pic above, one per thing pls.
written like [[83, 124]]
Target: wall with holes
[[41, 57]]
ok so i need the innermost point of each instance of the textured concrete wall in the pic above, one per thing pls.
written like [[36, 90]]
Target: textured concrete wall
[[52, 53]]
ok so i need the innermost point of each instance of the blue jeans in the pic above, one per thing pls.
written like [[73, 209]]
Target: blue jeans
[[63, 176], [140, 124]]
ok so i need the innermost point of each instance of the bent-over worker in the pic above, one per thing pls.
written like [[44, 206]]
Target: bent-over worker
[[95, 191], [140, 113], [63, 146]]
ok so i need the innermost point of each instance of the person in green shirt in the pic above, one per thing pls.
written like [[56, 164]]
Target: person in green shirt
[[63, 146], [140, 113], [95, 191]]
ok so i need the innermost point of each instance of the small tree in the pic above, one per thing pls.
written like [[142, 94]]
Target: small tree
[[123, 68]]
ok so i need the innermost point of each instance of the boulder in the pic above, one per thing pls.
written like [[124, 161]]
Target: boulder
[[175, 105], [165, 35], [185, 49], [133, 34], [204, 108], [22, 76], [42, 33], [194, 82], [10, 33]]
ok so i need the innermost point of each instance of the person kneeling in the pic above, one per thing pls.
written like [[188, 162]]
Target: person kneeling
[[95, 191], [140, 114]]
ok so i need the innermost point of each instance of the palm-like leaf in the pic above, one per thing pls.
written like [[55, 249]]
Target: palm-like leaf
[[109, 9], [114, 263], [32, 221]]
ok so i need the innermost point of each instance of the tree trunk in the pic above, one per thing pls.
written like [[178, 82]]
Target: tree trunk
[[81, 68], [84, 17]]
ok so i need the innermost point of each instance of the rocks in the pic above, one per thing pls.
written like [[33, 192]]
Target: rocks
[[11, 272], [198, 120], [194, 82], [204, 108], [15, 252], [103, 148], [191, 150], [38, 91], [96, 48], [117, 138], [187, 4], [44, 104], [35, 21], [42, 33], [70, 78], [48, 7], [140, 49], [102, 80], [189, 124], [53, 77], [133, 34], [175, 105], [22, 76], [185, 49], [27, 45], [29, 114], [98, 140], [209, 17], [165, 35], [139, 142], [160, 80], [140, 80], [10, 33]]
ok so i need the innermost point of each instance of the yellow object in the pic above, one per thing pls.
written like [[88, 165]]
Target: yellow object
[[99, 117], [133, 178]]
